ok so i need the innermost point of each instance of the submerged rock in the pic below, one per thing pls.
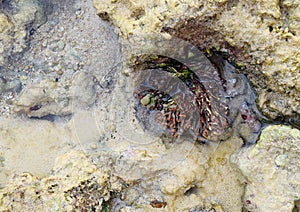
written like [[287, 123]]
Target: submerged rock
[[18, 20], [44, 98], [75, 184], [52, 98]]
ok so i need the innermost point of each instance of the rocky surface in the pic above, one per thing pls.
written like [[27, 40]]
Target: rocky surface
[[117, 180], [19, 19], [31, 146], [64, 96], [75, 184], [262, 37], [61, 61], [272, 170]]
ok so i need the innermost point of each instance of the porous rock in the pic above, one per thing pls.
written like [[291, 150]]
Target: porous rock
[[75, 184], [272, 170]]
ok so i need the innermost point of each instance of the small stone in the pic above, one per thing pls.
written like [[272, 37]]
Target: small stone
[[79, 14], [75, 67], [2, 85], [281, 160], [60, 45], [146, 100], [61, 29], [112, 128], [14, 85], [45, 43], [57, 68], [59, 72], [94, 146]]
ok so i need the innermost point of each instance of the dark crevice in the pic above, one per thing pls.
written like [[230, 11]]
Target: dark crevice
[[54, 118], [297, 206], [270, 28], [104, 16], [192, 190]]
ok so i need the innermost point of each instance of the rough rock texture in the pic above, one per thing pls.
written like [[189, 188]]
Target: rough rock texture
[[146, 167], [61, 63], [269, 35], [17, 20], [52, 98], [75, 184], [272, 170], [71, 67], [262, 36], [31, 146]]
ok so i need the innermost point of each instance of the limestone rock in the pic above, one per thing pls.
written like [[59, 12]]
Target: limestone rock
[[52, 98], [43, 98], [31, 146], [75, 184], [272, 170]]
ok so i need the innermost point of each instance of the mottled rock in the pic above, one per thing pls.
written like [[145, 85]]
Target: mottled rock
[[267, 47], [53, 98], [18, 20], [10, 85], [44, 98], [272, 170], [75, 184]]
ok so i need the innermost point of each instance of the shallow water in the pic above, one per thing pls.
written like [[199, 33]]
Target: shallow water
[[88, 104]]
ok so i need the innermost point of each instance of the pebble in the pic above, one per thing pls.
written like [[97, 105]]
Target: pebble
[[94, 146], [45, 43], [60, 45], [8, 86], [79, 14], [59, 72], [146, 100], [58, 68], [281, 160]]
